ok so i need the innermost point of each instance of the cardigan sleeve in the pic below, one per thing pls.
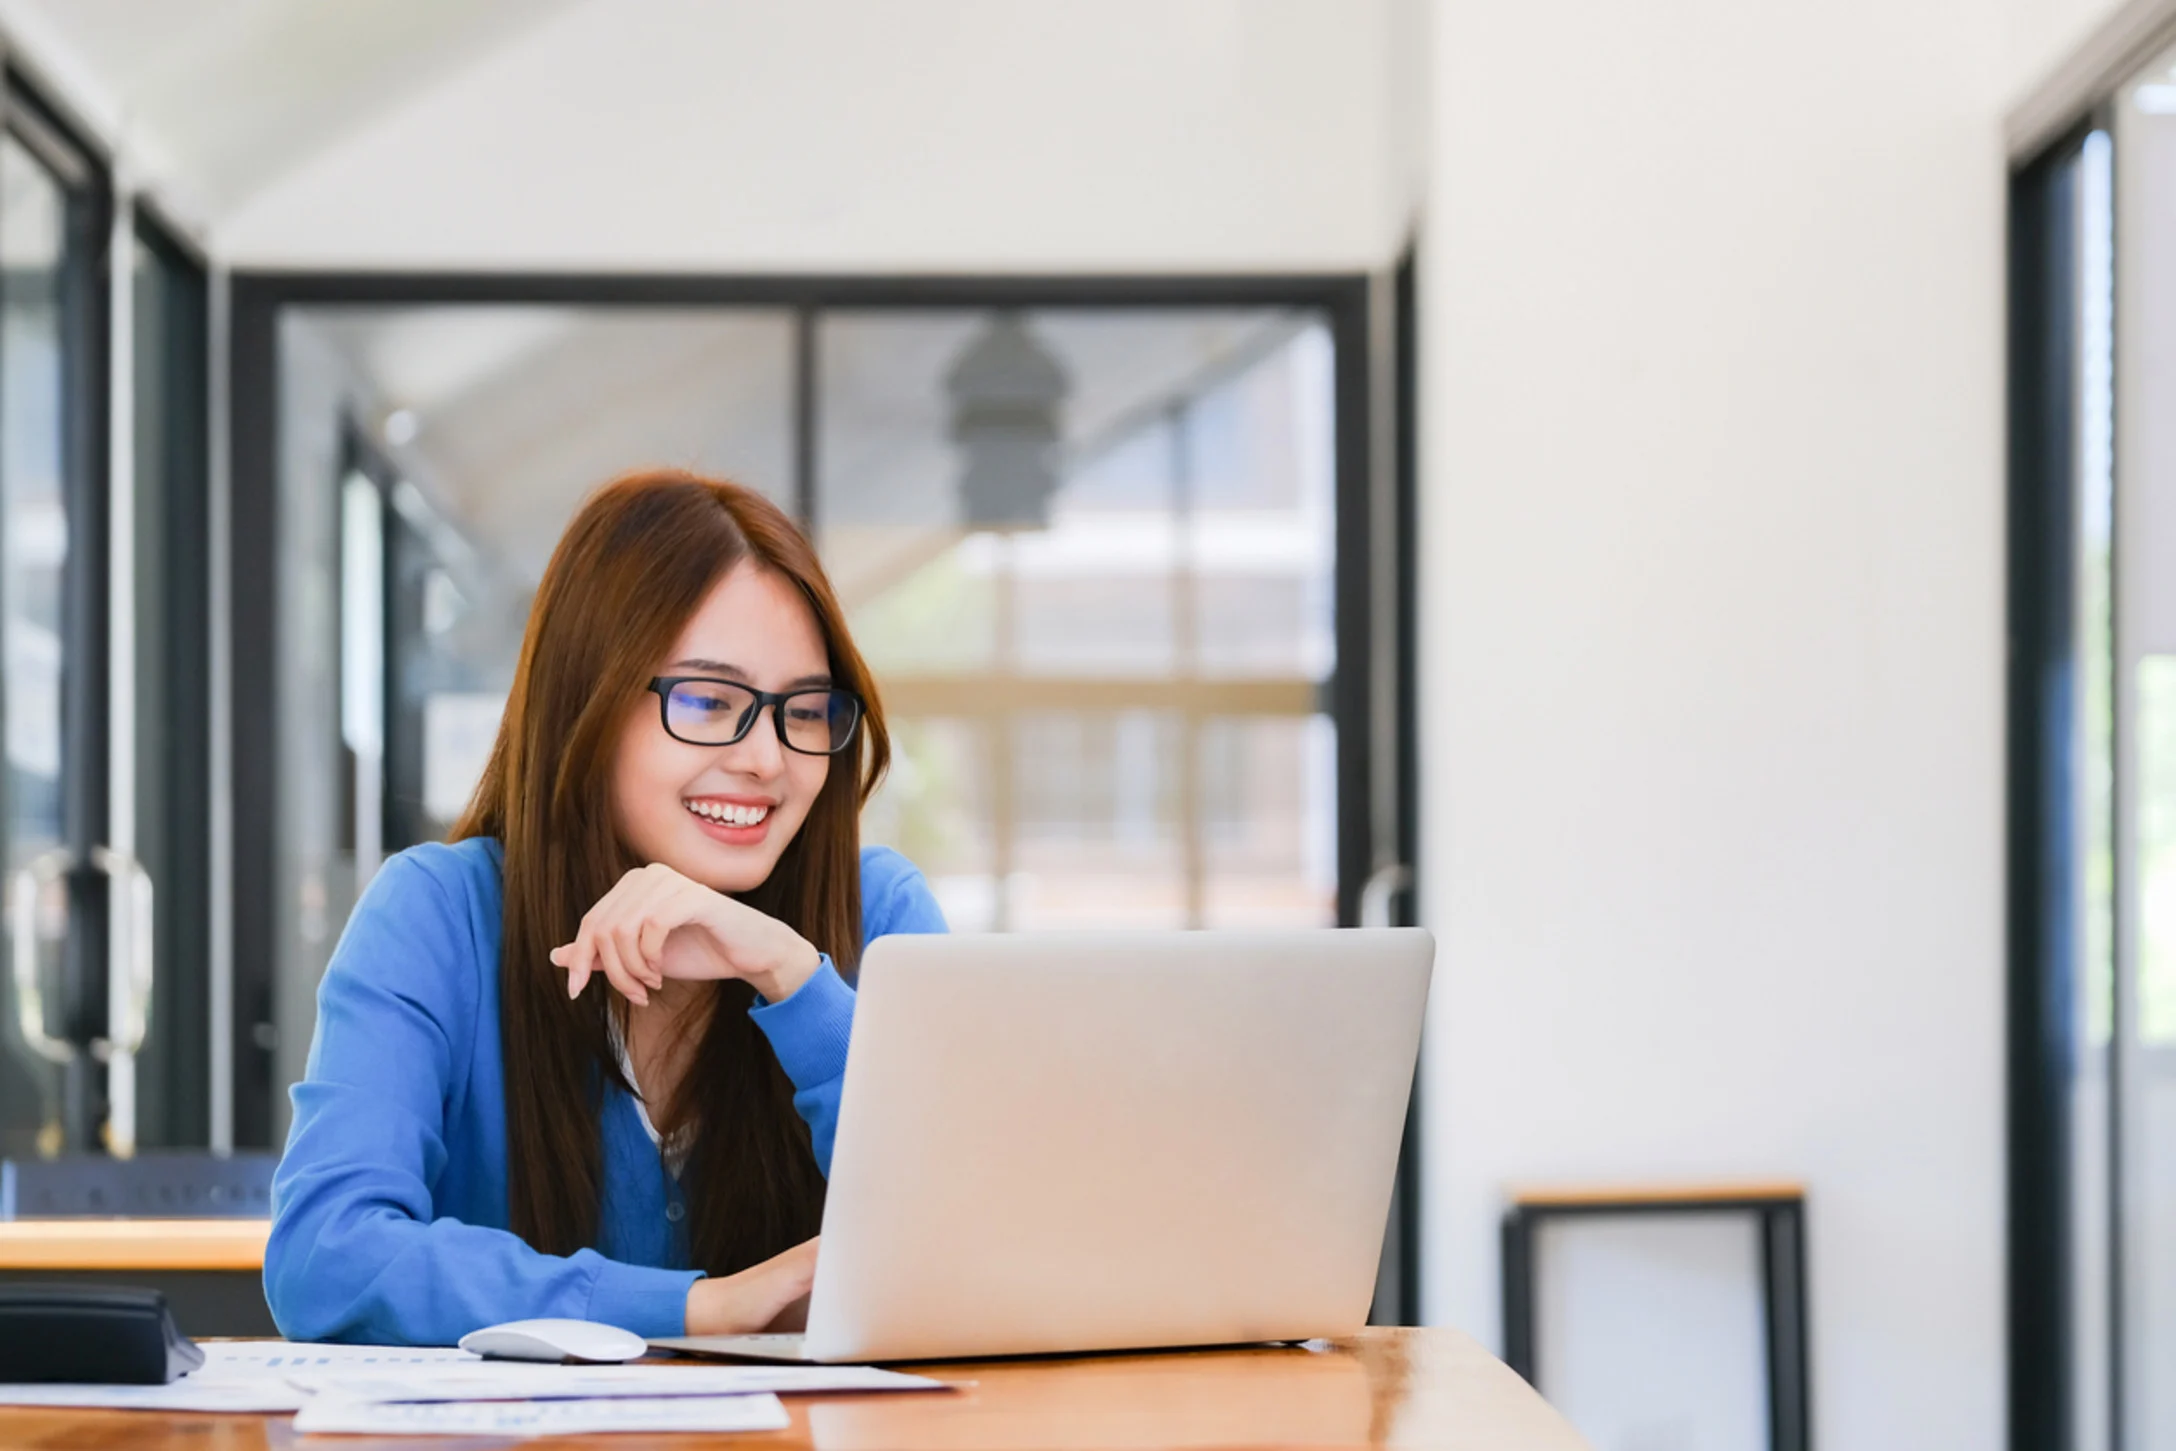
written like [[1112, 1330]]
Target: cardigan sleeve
[[357, 1252]]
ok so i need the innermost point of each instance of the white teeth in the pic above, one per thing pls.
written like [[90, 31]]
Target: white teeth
[[729, 815]]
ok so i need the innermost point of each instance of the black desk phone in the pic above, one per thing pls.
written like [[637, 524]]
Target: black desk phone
[[93, 1334]]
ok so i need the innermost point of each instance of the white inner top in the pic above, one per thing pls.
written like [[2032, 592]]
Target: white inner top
[[675, 1155]]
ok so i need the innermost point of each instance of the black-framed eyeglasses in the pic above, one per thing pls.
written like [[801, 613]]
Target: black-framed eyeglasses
[[704, 711]]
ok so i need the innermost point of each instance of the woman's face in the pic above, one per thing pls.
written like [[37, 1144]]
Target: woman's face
[[754, 628]]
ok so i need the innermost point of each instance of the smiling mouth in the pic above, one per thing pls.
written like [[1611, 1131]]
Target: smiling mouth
[[727, 814]]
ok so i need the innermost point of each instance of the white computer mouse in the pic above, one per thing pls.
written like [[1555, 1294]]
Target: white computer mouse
[[555, 1340]]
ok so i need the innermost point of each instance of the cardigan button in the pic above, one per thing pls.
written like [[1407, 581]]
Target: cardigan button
[[676, 1211]]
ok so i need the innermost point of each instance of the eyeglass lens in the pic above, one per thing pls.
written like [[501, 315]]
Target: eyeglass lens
[[715, 713]]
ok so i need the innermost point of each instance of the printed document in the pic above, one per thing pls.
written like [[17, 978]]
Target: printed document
[[543, 1418], [274, 1375]]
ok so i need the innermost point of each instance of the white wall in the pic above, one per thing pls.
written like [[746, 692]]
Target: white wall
[[1713, 649], [953, 135]]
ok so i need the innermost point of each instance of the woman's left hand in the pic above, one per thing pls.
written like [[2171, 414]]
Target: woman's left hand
[[656, 923]]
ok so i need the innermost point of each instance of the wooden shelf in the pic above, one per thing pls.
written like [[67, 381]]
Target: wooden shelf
[[133, 1244], [1573, 1196]]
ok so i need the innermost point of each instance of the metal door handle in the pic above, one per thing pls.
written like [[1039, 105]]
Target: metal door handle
[[128, 991], [29, 883], [129, 977], [128, 1016]]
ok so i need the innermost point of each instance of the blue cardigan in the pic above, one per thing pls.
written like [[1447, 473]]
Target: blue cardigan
[[389, 1208]]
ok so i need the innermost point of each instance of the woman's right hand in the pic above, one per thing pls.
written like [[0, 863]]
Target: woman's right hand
[[770, 1296]]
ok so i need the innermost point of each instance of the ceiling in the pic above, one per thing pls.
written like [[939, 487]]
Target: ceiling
[[224, 98], [743, 135], [226, 104]]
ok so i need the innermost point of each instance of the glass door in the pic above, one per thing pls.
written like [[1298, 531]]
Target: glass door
[[66, 1037], [2093, 781], [2140, 1008]]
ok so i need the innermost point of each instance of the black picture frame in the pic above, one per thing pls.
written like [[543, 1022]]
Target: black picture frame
[[1781, 1217]]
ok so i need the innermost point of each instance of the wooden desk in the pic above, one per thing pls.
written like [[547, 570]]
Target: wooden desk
[[1432, 1388], [210, 1270], [134, 1244]]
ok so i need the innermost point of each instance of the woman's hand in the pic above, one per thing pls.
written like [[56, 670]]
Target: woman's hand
[[656, 924], [769, 1296]]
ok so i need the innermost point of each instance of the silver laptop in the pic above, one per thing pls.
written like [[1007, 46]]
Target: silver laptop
[[1075, 1142]]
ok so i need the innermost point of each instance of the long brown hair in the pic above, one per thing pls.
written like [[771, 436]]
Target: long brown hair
[[638, 560]]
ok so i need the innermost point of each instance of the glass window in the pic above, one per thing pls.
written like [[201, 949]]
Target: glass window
[[2141, 704], [2094, 605], [34, 546], [439, 451], [2094, 804], [1089, 554], [33, 439]]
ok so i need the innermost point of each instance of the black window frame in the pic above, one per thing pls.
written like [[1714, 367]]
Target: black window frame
[[257, 299], [2042, 810], [172, 394]]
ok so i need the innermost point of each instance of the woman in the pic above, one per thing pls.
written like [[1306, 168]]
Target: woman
[[585, 1059]]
